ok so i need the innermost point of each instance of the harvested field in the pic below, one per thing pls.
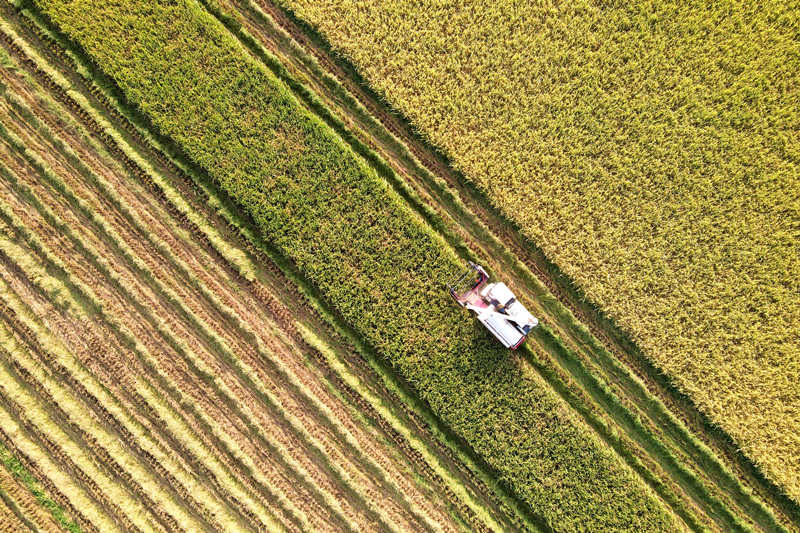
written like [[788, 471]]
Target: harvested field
[[650, 151]]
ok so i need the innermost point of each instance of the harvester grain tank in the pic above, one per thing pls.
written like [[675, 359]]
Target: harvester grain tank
[[494, 305]]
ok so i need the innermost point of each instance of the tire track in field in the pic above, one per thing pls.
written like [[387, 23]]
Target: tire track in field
[[11, 520], [74, 424], [267, 496], [88, 440], [229, 338], [18, 511], [69, 462], [95, 275], [38, 460], [94, 350], [154, 417]]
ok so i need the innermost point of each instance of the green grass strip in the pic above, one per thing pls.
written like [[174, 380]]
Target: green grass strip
[[19, 471], [378, 264]]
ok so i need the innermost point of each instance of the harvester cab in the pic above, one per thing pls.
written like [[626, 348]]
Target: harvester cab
[[494, 304]]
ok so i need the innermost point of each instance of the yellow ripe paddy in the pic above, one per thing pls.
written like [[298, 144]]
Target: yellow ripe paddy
[[650, 150]]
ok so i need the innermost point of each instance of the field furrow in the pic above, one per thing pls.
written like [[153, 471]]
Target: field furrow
[[67, 450], [93, 435], [240, 347], [11, 519], [21, 458], [71, 491]]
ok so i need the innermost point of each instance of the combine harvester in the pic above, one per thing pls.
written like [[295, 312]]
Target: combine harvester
[[495, 306]]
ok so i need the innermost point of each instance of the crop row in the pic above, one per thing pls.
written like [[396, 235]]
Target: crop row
[[88, 251], [104, 227], [237, 225], [366, 253]]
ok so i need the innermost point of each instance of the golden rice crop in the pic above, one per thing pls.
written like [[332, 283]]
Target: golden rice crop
[[651, 151]]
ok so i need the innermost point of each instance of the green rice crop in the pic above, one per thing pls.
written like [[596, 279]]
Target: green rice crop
[[368, 254], [649, 149]]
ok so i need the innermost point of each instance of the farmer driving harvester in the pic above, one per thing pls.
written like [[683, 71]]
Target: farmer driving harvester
[[494, 304]]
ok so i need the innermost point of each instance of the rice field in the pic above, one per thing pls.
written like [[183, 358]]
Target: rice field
[[220, 274], [649, 150], [151, 358]]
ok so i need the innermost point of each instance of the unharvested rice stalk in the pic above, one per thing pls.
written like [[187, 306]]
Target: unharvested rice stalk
[[650, 151]]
